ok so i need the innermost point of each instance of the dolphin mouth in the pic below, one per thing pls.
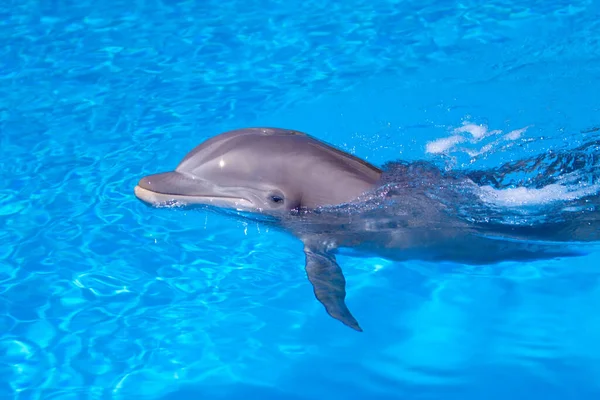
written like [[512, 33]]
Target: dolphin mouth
[[176, 188]]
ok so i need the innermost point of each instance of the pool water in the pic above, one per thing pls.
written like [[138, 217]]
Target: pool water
[[102, 297]]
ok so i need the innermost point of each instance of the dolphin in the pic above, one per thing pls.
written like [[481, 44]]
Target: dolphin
[[330, 199]]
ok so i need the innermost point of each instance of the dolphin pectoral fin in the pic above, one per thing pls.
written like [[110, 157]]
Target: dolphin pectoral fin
[[329, 285]]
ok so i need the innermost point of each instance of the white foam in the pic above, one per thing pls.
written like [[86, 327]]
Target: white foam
[[444, 144], [521, 196], [514, 135], [477, 131], [471, 133]]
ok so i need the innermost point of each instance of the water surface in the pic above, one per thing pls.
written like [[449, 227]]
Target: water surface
[[102, 298]]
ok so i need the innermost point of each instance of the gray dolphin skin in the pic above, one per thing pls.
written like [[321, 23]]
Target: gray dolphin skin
[[262, 169], [330, 200]]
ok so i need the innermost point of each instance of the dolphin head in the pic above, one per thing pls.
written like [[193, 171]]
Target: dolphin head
[[266, 170]]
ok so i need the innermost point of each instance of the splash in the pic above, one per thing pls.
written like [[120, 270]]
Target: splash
[[554, 195], [523, 197], [546, 179], [470, 133]]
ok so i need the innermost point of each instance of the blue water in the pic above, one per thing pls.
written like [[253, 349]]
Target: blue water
[[102, 297]]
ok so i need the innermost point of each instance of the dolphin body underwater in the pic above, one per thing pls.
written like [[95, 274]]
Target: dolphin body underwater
[[331, 200]]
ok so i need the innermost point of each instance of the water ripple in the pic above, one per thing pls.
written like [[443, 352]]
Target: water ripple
[[102, 298], [24, 363]]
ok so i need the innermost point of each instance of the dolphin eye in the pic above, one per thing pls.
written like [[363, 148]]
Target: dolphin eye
[[276, 198]]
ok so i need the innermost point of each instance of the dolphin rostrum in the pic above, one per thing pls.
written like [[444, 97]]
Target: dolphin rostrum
[[330, 199]]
